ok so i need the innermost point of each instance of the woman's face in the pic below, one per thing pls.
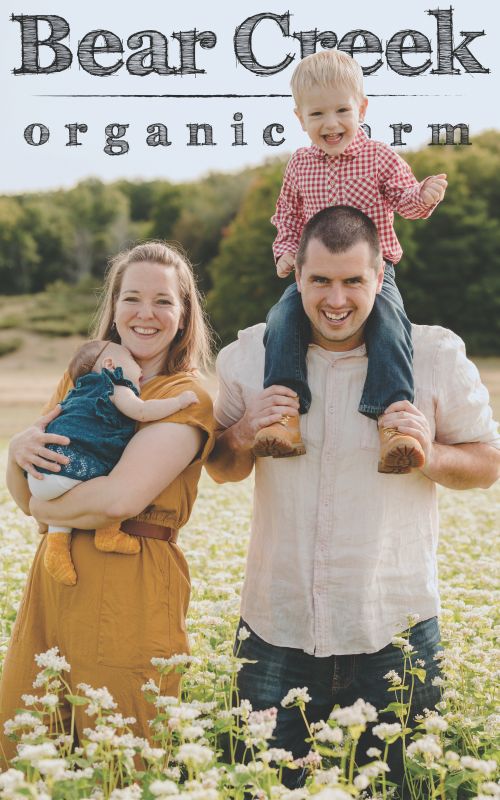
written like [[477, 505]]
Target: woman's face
[[148, 313]]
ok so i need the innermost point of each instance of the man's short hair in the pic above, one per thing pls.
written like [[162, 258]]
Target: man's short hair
[[339, 228], [328, 68]]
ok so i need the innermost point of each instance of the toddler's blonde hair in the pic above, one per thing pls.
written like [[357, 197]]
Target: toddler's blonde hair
[[326, 68]]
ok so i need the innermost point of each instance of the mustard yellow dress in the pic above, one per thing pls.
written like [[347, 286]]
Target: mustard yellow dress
[[124, 609]]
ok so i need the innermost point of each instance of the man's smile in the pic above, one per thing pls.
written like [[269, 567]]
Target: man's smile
[[336, 318]]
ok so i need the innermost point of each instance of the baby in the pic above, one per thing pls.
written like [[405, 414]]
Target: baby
[[344, 167], [99, 417]]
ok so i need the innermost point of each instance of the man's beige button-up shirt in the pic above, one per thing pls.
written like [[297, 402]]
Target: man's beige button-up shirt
[[339, 554]]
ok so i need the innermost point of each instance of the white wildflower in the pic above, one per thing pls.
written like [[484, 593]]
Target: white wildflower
[[34, 752], [196, 754], [358, 714], [386, 730], [435, 724], [163, 788], [276, 754], [332, 794], [100, 699], [50, 700], [52, 660], [486, 768], [325, 733], [296, 696], [361, 782], [393, 677], [52, 767], [243, 634], [427, 746]]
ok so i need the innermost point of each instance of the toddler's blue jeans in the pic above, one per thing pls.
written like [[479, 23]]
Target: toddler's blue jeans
[[388, 341], [335, 680]]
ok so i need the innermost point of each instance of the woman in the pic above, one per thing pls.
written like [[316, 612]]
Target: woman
[[125, 609]]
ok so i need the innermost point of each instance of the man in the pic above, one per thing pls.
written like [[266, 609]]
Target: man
[[340, 555]]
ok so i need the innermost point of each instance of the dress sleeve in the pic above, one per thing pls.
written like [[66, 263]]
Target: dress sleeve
[[62, 389], [463, 413], [199, 415]]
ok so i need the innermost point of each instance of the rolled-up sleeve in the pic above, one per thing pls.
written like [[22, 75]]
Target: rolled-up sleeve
[[229, 405], [463, 412]]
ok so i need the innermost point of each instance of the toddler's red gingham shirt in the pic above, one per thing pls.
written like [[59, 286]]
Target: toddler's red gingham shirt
[[367, 175]]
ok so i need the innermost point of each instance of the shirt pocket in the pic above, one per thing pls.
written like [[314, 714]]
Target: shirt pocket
[[362, 193]]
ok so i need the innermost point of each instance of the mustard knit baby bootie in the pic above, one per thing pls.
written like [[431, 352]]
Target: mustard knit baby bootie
[[57, 558], [113, 540]]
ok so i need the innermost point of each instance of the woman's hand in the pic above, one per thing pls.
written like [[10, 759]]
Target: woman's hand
[[29, 448], [153, 458]]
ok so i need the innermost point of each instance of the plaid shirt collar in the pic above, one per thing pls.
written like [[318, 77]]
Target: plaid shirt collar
[[352, 151]]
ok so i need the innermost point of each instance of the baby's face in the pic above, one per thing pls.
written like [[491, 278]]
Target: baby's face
[[330, 116], [123, 358]]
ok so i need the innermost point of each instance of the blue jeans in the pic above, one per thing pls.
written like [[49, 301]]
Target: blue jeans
[[332, 680], [388, 341]]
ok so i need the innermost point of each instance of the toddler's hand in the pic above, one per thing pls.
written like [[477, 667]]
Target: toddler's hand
[[187, 399], [433, 189], [285, 265]]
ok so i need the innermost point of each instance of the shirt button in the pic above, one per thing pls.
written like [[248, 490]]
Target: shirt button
[[330, 409]]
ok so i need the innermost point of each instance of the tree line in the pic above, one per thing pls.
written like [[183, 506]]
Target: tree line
[[449, 274]]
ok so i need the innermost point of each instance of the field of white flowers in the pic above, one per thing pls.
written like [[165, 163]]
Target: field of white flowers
[[448, 755]]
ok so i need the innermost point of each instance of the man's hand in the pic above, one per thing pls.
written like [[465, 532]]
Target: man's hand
[[267, 407], [433, 189], [406, 418], [285, 265], [29, 448]]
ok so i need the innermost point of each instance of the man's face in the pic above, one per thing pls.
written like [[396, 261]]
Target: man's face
[[338, 292]]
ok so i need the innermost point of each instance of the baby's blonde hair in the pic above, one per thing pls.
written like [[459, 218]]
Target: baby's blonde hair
[[326, 68]]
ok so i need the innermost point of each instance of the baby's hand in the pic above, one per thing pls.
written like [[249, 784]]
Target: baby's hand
[[187, 399], [433, 189], [285, 264]]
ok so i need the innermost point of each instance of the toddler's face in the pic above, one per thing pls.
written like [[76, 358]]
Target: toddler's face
[[330, 117]]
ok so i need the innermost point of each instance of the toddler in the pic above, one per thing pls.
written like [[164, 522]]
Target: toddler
[[99, 417], [344, 167]]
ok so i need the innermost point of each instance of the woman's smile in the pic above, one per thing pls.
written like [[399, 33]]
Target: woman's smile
[[148, 313]]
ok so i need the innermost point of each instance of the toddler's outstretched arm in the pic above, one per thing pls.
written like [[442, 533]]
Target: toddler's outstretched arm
[[150, 410]]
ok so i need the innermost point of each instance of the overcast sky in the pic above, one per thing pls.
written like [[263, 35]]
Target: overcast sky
[[418, 101]]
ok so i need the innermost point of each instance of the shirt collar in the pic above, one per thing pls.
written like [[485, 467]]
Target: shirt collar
[[353, 150], [334, 355]]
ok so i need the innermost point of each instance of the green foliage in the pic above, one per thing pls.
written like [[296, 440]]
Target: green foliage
[[243, 273], [449, 274], [10, 345], [61, 310]]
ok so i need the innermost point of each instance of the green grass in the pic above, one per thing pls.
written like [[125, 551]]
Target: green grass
[[61, 310]]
